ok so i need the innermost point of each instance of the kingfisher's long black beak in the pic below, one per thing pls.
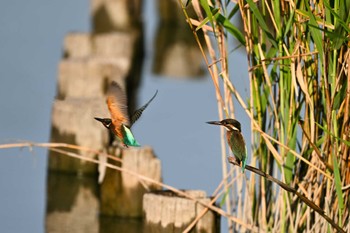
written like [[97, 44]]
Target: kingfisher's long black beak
[[214, 122], [99, 119]]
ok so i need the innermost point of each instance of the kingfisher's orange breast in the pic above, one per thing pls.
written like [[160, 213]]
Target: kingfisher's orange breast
[[117, 131]]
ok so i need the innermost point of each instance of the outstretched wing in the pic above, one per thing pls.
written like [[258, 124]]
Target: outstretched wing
[[136, 115], [117, 105]]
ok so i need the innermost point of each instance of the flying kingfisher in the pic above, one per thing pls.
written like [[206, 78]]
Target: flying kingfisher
[[120, 122], [234, 139]]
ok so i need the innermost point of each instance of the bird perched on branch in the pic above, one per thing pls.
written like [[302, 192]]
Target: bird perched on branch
[[120, 122], [234, 139]]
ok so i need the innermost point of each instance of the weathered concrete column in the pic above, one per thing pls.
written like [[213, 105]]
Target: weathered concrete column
[[121, 194], [166, 212], [73, 207], [113, 51], [90, 64], [73, 123], [176, 51], [115, 15]]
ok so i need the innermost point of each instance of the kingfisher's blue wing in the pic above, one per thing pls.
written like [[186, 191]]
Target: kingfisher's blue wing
[[136, 115], [238, 147]]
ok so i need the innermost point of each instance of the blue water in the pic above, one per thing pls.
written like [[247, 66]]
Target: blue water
[[31, 39]]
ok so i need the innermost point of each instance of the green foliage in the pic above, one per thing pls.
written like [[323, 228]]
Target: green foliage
[[298, 55], [214, 13]]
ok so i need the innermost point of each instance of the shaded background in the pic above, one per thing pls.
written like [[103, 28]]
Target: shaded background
[[31, 39]]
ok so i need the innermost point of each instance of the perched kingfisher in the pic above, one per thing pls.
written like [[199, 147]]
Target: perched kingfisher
[[120, 122], [234, 139]]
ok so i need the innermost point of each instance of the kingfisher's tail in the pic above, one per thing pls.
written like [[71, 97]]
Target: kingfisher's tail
[[244, 163], [128, 137]]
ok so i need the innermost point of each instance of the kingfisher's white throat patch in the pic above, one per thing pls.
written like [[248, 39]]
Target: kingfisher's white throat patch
[[231, 127]]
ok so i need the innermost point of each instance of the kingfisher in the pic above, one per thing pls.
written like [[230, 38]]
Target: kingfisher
[[234, 139], [120, 122]]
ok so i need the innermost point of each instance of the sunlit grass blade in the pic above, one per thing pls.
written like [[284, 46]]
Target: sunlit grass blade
[[233, 11], [231, 28], [340, 20], [206, 19], [330, 133], [262, 23], [208, 12], [315, 32]]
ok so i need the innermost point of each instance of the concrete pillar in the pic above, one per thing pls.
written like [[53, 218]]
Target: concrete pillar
[[166, 212], [122, 193]]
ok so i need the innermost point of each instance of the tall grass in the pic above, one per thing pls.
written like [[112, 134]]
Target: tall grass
[[299, 106]]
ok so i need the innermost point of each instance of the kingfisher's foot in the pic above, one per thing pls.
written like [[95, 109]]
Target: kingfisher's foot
[[234, 160]]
